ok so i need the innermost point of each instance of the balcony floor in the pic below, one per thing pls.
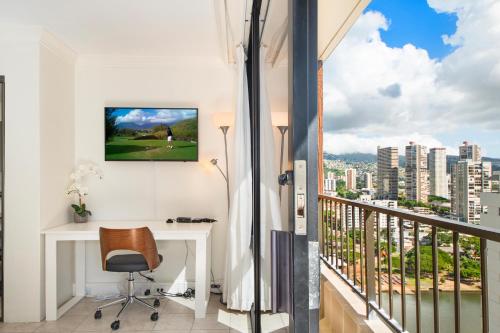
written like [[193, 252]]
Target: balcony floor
[[176, 315]]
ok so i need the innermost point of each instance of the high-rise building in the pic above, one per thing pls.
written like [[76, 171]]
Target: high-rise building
[[330, 186], [490, 217], [368, 183], [469, 179], [350, 179], [330, 175], [437, 172], [469, 152], [387, 173], [416, 173]]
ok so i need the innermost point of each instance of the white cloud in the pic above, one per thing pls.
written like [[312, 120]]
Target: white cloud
[[135, 116], [161, 116], [348, 143], [375, 93]]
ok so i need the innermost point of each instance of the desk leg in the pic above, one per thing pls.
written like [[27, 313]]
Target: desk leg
[[80, 268], [50, 278], [202, 276]]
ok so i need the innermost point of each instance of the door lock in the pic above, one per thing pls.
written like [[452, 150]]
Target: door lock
[[300, 195]]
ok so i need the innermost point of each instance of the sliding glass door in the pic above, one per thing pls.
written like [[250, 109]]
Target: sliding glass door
[[303, 289]]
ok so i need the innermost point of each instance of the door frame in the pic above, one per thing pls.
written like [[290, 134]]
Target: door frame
[[253, 76], [303, 146]]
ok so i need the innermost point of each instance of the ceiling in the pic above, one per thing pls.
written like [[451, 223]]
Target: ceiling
[[176, 28], [125, 27]]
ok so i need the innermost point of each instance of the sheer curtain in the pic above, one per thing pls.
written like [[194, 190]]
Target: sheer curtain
[[238, 291], [238, 283], [269, 189]]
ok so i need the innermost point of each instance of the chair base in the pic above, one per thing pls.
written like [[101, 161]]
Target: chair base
[[126, 301]]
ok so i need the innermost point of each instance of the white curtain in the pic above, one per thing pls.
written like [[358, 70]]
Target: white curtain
[[269, 189], [238, 282], [238, 288]]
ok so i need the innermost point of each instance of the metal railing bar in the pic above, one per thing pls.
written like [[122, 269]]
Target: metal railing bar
[[354, 261], [379, 262], [347, 238], [389, 264], [484, 285], [337, 218], [329, 228], [370, 264], [456, 272], [324, 234], [342, 238], [487, 233], [402, 273], [418, 297], [435, 279], [361, 248], [343, 277]]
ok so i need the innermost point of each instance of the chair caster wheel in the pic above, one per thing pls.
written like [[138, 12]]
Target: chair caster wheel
[[154, 316], [147, 292], [98, 314], [156, 303], [115, 325]]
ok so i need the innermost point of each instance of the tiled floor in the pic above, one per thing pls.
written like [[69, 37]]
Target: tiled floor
[[176, 316]]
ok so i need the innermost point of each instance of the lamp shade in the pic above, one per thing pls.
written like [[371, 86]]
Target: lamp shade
[[223, 119], [279, 118]]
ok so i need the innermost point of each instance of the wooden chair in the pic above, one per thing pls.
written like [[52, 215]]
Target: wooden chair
[[139, 240]]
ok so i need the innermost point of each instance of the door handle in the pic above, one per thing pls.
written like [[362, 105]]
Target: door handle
[[300, 195]]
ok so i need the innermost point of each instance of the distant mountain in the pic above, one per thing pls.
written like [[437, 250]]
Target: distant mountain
[[133, 126], [372, 158], [353, 157]]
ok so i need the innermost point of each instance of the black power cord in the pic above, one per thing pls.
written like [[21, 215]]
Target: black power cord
[[188, 294]]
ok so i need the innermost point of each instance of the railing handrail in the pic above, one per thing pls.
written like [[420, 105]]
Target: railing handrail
[[487, 233]]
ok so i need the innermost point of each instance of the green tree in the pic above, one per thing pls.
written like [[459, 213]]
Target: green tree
[[470, 246], [445, 260], [110, 124], [470, 269]]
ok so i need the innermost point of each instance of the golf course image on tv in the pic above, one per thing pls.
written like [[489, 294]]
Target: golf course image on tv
[[151, 134]]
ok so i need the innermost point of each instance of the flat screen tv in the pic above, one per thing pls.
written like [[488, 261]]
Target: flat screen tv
[[151, 134]]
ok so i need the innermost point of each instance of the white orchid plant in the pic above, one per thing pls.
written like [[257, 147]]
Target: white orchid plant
[[77, 189]]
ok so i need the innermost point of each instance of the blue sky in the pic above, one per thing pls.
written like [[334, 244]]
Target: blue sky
[[152, 116], [410, 70], [413, 21]]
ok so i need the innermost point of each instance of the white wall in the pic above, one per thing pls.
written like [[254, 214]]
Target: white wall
[[154, 190], [32, 181], [19, 64], [57, 86]]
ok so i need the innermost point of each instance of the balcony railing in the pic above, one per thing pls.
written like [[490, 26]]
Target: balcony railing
[[357, 242]]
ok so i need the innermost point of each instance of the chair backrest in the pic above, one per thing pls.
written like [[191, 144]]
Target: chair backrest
[[139, 239]]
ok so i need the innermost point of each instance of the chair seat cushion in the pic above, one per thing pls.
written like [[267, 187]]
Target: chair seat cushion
[[128, 263]]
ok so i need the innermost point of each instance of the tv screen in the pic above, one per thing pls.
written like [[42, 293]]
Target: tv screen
[[151, 134]]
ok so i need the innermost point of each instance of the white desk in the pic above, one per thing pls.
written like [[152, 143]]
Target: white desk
[[81, 232]]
